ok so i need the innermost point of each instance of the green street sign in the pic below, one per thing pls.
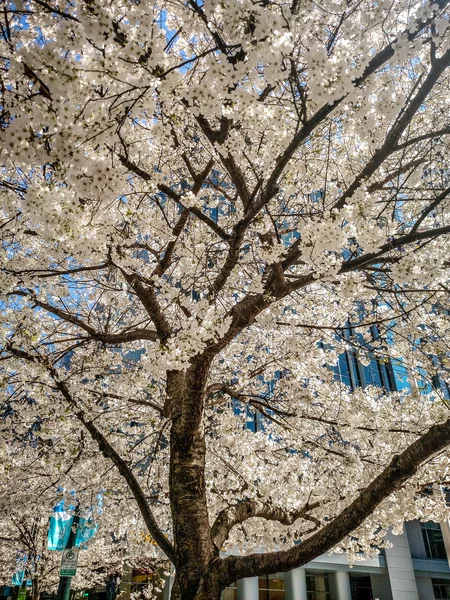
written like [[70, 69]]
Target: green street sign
[[22, 594], [69, 563]]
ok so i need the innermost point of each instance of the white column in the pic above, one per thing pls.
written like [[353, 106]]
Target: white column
[[167, 590], [400, 568], [295, 584], [343, 585], [445, 527], [247, 589]]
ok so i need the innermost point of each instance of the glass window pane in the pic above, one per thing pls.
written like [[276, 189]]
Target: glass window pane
[[361, 587], [372, 375], [276, 582], [318, 596], [433, 540], [343, 370], [441, 589], [318, 586]]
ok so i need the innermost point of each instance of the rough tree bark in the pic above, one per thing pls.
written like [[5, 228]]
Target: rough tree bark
[[36, 590], [194, 547]]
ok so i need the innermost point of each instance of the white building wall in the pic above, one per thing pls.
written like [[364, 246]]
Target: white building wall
[[295, 584], [404, 573], [343, 585], [167, 589], [425, 588], [400, 568], [445, 527], [247, 589], [415, 539], [381, 588]]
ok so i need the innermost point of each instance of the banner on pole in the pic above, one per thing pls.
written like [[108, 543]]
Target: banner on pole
[[59, 528], [60, 524], [19, 575]]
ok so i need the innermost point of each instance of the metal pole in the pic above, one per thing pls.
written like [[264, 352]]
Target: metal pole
[[64, 582], [111, 587]]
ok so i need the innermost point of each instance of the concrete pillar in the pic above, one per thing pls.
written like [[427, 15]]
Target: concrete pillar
[[400, 568], [380, 586], [445, 528], [425, 588], [247, 589], [295, 584], [343, 585], [167, 590]]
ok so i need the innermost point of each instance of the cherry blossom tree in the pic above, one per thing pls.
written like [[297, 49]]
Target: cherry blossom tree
[[205, 205], [114, 550], [23, 547]]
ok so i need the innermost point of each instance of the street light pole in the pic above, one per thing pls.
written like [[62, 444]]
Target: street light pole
[[64, 582]]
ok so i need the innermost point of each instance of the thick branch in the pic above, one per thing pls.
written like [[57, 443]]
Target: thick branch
[[109, 452], [55, 272], [168, 191], [424, 136], [245, 311], [413, 236], [228, 161], [442, 196], [375, 63], [399, 470], [147, 296], [396, 173], [166, 261], [239, 513], [231, 259]]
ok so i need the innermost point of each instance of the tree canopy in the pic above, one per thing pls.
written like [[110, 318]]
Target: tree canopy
[[204, 207]]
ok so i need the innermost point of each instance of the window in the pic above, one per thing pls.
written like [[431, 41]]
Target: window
[[253, 421], [318, 587], [441, 589], [423, 382], [350, 371], [433, 540], [271, 587], [361, 587]]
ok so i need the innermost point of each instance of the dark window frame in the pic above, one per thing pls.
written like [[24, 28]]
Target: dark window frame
[[433, 540]]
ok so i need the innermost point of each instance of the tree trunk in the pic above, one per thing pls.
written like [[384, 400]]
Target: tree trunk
[[209, 589], [36, 590], [195, 549]]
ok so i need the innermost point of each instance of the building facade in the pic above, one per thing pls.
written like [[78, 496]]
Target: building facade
[[415, 567]]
